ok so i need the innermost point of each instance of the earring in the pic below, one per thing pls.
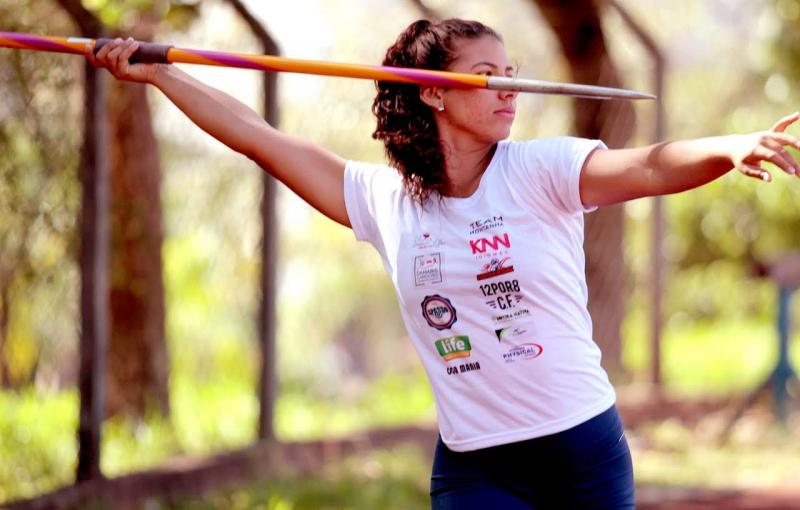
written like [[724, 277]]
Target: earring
[[440, 107]]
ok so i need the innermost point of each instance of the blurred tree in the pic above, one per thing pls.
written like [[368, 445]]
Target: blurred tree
[[267, 310], [38, 193], [729, 228], [577, 25], [93, 255], [786, 42], [138, 364]]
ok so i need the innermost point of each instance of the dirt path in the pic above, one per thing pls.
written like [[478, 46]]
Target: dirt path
[[639, 412], [659, 498]]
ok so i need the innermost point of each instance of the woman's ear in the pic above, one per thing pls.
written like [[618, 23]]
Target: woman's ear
[[431, 96]]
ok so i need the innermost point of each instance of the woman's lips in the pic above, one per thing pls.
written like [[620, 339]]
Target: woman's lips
[[506, 112]]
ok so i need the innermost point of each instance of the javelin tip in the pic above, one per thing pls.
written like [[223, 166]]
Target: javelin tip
[[564, 89]]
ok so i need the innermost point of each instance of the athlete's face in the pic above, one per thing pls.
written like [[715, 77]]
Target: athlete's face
[[486, 115]]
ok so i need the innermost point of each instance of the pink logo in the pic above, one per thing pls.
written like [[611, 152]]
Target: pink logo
[[426, 240], [480, 245], [428, 261]]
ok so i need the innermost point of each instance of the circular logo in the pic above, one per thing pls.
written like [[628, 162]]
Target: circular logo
[[438, 312]]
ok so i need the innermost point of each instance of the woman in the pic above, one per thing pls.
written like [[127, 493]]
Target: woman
[[482, 239]]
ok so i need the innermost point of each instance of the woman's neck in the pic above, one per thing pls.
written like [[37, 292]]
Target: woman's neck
[[465, 167]]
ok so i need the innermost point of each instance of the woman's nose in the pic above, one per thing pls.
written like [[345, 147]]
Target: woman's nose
[[508, 94]]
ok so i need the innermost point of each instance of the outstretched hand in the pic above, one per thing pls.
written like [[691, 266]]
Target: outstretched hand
[[114, 57], [767, 146]]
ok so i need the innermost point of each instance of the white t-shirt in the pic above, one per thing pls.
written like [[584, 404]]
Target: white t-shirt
[[492, 291]]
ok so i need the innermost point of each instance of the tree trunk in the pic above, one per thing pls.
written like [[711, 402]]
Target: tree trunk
[[138, 363], [93, 258], [268, 380], [578, 28]]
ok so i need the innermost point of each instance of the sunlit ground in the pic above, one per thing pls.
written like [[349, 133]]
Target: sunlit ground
[[759, 453]]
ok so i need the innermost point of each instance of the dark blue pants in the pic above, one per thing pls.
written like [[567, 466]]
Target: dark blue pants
[[586, 467]]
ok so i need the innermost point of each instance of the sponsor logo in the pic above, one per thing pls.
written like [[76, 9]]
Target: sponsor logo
[[481, 245], [508, 333], [502, 287], [510, 316], [453, 347], [463, 368], [523, 352], [438, 312], [428, 269], [504, 302], [495, 267], [476, 227], [504, 294], [426, 241]]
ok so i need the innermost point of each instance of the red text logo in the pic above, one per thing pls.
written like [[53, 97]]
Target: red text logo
[[480, 245]]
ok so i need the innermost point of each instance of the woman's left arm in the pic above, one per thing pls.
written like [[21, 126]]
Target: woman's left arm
[[612, 176]]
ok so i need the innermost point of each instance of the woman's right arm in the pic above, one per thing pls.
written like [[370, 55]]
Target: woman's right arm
[[314, 173]]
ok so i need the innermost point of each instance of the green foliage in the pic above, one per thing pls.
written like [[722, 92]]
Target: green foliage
[[392, 400], [707, 358], [181, 15], [393, 480], [735, 218], [124, 15], [20, 350], [786, 44], [39, 196], [37, 442]]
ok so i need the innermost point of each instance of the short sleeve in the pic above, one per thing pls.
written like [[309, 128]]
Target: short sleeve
[[370, 193], [358, 179], [552, 167]]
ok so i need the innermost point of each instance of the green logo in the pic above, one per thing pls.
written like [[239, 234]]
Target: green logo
[[453, 347]]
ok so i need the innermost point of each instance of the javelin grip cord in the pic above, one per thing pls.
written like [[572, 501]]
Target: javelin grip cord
[[146, 53]]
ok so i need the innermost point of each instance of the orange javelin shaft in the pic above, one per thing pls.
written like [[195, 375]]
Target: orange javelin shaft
[[149, 52]]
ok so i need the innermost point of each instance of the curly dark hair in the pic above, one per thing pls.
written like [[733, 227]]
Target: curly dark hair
[[405, 123]]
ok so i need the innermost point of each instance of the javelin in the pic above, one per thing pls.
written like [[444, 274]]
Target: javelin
[[160, 53]]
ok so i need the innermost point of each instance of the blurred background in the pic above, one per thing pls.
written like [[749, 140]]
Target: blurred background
[[344, 364]]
